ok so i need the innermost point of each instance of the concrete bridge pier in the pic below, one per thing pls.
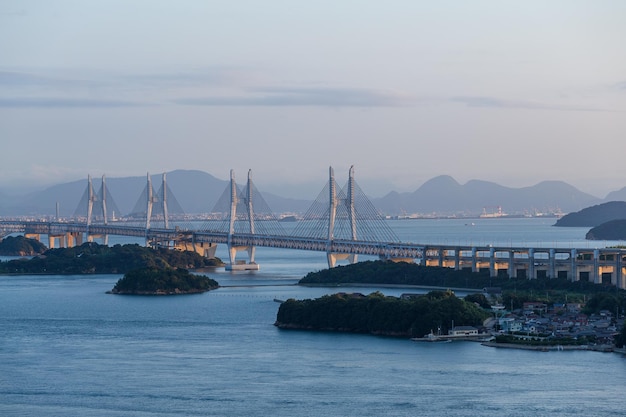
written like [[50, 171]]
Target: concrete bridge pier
[[493, 271], [531, 264], [35, 236], [234, 265], [574, 271], [104, 239], [74, 239], [511, 268], [334, 257], [474, 260], [61, 238], [552, 264], [205, 249], [619, 272], [596, 267]]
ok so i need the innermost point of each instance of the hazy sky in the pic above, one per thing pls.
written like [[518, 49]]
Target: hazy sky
[[513, 92]]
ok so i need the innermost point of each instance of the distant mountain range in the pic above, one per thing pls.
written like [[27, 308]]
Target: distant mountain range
[[444, 195], [198, 192]]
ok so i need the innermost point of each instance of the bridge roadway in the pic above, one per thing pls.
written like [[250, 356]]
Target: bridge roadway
[[385, 250], [604, 265]]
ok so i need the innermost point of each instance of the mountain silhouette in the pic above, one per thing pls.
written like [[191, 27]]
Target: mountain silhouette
[[198, 192]]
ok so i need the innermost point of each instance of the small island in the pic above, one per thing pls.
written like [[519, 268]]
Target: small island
[[162, 281], [21, 246], [377, 314]]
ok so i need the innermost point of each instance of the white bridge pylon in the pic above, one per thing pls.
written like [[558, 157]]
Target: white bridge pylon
[[234, 202], [348, 203], [342, 218]]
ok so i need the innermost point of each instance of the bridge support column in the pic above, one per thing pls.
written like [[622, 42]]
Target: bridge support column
[[53, 238], [241, 266], [457, 259], [334, 257], [596, 267], [512, 271], [574, 272], [531, 264], [619, 271], [552, 262], [493, 272], [474, 261], [205, 249], [35, 236]]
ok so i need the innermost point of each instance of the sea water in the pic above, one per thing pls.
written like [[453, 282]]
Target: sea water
[[67, 348]]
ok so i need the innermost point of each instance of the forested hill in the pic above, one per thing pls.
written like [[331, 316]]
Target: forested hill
[[398, 273], [167, 281], [380, 315], [21, 246], [408, 274], [92, 258], [611, 230]]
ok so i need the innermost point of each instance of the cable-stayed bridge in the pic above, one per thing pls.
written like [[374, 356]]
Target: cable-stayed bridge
[[341, 222]]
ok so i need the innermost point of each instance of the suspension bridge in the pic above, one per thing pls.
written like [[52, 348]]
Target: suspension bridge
[[341, 222]]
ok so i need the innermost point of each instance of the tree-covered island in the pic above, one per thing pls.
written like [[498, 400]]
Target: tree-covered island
[[380, 315], [92, 258], [162, 281], [21, 246]]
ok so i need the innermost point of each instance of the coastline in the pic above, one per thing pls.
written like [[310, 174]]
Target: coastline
[[371, 284], [595, 348]]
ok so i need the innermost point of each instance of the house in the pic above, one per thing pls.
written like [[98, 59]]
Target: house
[[530, 307], [509, 324], [463, 331]]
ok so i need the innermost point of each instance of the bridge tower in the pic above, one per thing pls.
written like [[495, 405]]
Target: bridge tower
[[344, 218], [348, 203], [161, 198], [92, 198], [233, 248]]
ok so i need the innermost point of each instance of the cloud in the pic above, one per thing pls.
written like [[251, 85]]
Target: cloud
[[21, 80], [320, 97], [52, 102], [477, 101]]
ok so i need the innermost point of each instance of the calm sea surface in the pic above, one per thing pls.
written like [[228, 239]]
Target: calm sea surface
[[69, 349]]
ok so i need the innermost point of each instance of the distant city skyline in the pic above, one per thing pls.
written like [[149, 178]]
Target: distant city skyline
[[509, 92]]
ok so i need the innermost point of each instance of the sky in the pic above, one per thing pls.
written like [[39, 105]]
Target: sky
[[513, 92]]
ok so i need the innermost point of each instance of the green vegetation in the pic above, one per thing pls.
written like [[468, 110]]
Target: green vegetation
[[620, 339], [92, 258], [21, 246], [379, 314], [515, 291], [399, 273], [167, 281]]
